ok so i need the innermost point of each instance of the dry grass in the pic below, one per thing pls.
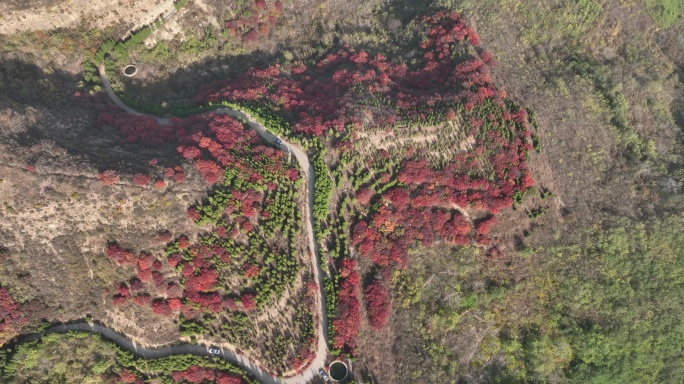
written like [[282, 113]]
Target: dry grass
[[98, 14]]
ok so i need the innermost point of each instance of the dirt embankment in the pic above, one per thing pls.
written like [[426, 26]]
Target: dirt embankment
[[19, 15]]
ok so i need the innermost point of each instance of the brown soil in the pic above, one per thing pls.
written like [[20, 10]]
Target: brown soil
[[57, 222], [18, 16]]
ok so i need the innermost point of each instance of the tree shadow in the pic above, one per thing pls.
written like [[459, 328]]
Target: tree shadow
[[678, 106], [365, 375], [181, 85], [48, 109]]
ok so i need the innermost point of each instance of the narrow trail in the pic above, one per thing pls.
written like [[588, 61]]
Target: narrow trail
[[232, 356]]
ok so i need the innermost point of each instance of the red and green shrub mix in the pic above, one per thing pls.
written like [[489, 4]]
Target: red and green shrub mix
[[196, 374], [11, 318], [408, 195], [415, 198], [40, 359], [329, 94], [142, 130], [254, 20], [247, 258], [193, 375], [128, 377], [347, 320]]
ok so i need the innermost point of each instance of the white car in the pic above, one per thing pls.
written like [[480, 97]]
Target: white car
[[214, 351], [324, 375]]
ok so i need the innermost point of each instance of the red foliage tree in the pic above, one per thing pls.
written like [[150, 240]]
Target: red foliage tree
[[260, 4], [194, 374], [169, 172], [348, 319], [193, 214], [210, 171], [164, 236], [174, 303], [311, 286], [230, 304], [398, 197], [183, 242], [141, 179], [11, 319], [121, 256], [278, 5], [292, 174], [251, 36], [179, 177], [203, 281], [226, 378], [127, 376], [124, 290], [157, 278], [485, 225], [174, 259], [161, 307], [189, 153], [108, 177], [247, 226], [248, 302], [251, 270], [135, 284], [144, 274], [119, 300], [364, 195], [142, 300], [145, 261], [377, 301]]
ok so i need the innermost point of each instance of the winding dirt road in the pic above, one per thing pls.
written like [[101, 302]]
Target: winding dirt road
[[232, 356]]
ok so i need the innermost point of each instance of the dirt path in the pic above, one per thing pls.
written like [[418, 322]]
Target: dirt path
[[233, 356]]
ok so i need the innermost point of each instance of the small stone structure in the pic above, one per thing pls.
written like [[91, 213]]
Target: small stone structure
[[130, 70], [338, 371]]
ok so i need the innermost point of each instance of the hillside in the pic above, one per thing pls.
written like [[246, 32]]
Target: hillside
[[438, 191]]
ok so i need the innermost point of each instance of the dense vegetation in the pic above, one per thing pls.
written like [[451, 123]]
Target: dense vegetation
[[571, 301], [665, 12], [603, 310], [248, 260], [449, 87], [11, 318], [94, 360], [418, 158], [611, 310]]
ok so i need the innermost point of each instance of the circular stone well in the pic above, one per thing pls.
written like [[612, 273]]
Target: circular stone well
[[130, 70], [338, 371]]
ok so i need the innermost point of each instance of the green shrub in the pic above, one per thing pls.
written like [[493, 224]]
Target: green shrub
[[665, 13]]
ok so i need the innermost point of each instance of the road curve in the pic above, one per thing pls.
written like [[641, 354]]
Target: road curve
[[229, 355]]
